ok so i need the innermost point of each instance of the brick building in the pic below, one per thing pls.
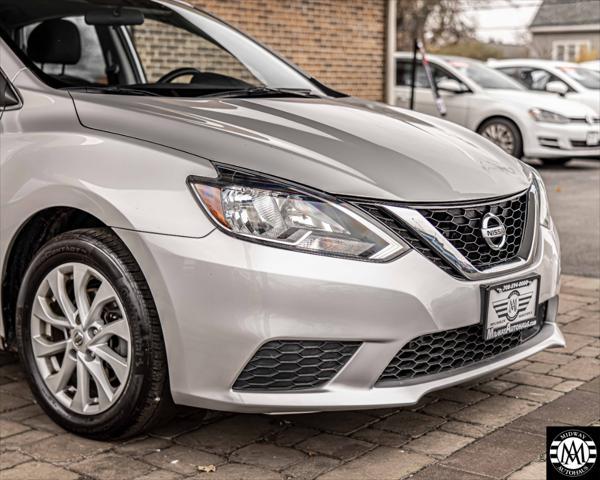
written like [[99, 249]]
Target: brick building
[[341, 42]]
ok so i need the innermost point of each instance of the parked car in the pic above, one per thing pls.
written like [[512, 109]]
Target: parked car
[[570, 80], [220, 230], [591, 65], [520, 122]]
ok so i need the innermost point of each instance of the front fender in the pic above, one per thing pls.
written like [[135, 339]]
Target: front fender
[[49, 159]]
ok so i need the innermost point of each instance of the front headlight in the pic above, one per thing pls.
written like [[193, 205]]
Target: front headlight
[[268, 211], [545, 217], [540, 115]]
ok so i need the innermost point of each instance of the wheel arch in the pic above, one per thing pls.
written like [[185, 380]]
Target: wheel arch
[[32, 234], [499, 116], [511, 120]]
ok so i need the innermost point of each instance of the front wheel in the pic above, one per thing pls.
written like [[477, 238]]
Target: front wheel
[[89, 337], [505, 134]]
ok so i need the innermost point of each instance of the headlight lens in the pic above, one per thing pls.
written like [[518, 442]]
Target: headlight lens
[[260, 210], [545, 217], [540, 115]]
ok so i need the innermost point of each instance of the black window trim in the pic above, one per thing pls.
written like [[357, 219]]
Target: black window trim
[[15, 91]]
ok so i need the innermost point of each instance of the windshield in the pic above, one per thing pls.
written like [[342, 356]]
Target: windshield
[[484, 76], [155, 47], [587, 78]]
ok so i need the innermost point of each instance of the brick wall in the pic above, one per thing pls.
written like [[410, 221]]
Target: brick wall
[[340, 42]]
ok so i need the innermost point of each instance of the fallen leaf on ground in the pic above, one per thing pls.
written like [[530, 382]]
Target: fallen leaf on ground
[[207, 468]]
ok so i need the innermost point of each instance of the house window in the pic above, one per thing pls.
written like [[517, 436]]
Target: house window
[[569, 50]]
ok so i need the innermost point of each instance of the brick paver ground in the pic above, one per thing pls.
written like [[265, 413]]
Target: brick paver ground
[[493, 428]]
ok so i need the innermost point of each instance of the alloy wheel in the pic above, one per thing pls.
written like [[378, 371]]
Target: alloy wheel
[[81, 338], [501, 136]]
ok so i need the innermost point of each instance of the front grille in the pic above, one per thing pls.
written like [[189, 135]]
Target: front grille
[[294, 364], [443, 351], [461, 226], [584, 120]]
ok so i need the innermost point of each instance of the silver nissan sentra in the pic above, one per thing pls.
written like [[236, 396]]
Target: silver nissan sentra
[[188, 218]]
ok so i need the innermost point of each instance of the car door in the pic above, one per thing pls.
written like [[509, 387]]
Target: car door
[[457, 104]]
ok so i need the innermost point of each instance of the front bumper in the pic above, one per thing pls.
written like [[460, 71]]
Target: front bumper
[[220, 299], [547, 140]]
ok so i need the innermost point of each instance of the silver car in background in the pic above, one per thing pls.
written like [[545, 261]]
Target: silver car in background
[[521, 122], [225, 232]]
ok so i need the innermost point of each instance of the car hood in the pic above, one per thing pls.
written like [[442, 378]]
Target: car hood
[[543, 100], [345, 147]]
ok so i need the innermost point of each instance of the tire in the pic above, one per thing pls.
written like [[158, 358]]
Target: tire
[[137, 396], [498, 129], [556, 162]]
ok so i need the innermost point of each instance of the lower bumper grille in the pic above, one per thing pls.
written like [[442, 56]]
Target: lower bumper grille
[[294, 365], [444, 351], [583, 144]]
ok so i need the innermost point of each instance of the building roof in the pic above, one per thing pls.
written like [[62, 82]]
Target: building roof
[[567, 13]]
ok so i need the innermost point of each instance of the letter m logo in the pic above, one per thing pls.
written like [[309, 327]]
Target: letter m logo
[[572, 453]]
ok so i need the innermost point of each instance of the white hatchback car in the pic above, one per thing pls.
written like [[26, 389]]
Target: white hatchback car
[[573, 81], [521, 122]]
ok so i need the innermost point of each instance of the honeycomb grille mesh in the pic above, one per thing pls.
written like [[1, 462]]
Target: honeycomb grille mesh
[[294, 364], [462, 227], [443, 351]]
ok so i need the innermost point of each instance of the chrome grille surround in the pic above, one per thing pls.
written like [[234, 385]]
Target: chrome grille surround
[[412, 223]]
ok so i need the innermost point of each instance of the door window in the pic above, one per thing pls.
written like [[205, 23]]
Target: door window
[[536, 78], [91, 66], [404, 71]]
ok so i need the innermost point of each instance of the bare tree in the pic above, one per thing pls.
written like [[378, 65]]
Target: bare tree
[[434, 22]]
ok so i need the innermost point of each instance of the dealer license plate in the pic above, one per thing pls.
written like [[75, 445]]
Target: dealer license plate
[[593, 138], [510, 307]]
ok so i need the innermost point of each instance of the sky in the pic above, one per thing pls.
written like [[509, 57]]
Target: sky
[[501, 20]]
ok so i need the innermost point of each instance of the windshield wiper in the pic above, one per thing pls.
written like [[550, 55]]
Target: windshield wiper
[[258, 92], [116, 90]]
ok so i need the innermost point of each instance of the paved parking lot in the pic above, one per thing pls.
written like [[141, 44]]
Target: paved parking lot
[[492, 429], [574, 192]]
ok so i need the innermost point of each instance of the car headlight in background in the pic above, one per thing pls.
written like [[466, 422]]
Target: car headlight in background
[[540, 115], [271, 212], [545, 217]]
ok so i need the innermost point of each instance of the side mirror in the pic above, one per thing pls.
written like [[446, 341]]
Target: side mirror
[[557, 87], [450, 85]]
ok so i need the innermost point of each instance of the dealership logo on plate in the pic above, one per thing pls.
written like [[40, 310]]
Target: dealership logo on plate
[[513, 305]]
